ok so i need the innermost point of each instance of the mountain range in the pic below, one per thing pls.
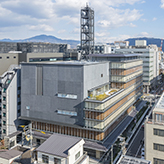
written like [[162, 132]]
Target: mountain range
[[45, 38], [73, 43]]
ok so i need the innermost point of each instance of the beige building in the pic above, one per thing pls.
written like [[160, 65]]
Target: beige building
[[7, 59], [16, 57], [154, 134]]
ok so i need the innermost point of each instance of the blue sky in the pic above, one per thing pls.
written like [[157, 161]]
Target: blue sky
[[114, 19]]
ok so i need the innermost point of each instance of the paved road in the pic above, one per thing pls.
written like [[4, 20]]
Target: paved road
[[137, 143]]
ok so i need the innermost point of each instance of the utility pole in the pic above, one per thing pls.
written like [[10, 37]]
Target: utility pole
[[30, 126], [112, 154]]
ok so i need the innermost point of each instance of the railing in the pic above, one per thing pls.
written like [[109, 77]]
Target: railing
[[82, 158], [153, 121]]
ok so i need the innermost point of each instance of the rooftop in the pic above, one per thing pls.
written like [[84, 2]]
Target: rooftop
[[78, 63], [58, 145], [103, 96], [9, 154], [116, 55], [132, 160], [160, 105]]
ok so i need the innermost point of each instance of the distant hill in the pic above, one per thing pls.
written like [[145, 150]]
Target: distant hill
[[73, 43], [156, 41], [45, 38]]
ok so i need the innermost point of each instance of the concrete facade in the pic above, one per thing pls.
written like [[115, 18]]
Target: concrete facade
[[154, 134], [7, 59], [83, 99], [15, 53], [10, 101], [64, 87], [150, 64]]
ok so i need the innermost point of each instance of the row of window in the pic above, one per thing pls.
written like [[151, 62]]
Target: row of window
[[158, 147], [45, 158], [159, 132], [71, 96], [158, 161], [65, 112], [8, 57]]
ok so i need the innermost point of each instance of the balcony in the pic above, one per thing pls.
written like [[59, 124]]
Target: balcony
[[83, 159]]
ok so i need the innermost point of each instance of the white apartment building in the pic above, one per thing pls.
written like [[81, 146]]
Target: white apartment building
[[154, 134], [10, 101], [150, 57]]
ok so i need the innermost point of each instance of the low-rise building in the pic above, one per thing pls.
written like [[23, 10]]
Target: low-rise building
[[62, 149], [8, 156]]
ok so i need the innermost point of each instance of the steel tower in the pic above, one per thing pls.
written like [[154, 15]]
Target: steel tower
[[87, 31]]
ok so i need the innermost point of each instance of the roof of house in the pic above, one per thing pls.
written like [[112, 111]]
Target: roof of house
[[9, 154], [58, 145]]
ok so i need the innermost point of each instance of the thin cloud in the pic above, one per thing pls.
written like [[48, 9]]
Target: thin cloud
[[42, 27], [132, 25], [154, 19], [61, 31], [162, 4]]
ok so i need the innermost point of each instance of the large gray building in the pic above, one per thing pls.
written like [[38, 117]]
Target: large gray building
[[54, 92]]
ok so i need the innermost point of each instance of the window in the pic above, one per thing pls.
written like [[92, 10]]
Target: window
[[4, 131], [45, 158], [19, 103], [28, 107], [158, 147], [4, 106], [57, 161], [159, 132], [101, 75], [71, 96], [4, 98], [4, 90], [7, 57], [14, 57], [158, 161], [0, 57], [4, 122], [4, 114], [38, 142], [65, 112], [77, 155], [159, 117]]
